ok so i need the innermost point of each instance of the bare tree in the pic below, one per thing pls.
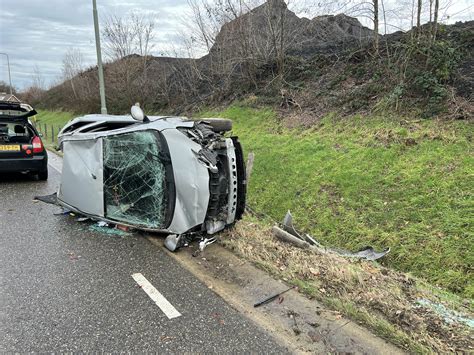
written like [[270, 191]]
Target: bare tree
[[418, 15], [35, 91], [73, 64], [4, 88], [206, 18], [132, 34], [435, 20], [128, 41], [143, 29], [119, 37], [368, 12], [38, 79], [376, 25]]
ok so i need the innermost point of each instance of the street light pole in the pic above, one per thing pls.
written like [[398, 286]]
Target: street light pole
[[103, 107], [9, 73]]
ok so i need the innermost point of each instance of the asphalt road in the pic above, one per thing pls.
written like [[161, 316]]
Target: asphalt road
[[64, 287]]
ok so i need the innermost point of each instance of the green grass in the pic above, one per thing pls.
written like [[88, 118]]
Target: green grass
[[375, 181], [56, 118], [378, 325], [48, 122], [359, 181]]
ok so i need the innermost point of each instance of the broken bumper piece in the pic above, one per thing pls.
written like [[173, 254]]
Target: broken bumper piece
[[291, 235]]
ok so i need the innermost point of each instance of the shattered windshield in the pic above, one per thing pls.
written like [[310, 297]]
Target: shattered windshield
[[135, 186]]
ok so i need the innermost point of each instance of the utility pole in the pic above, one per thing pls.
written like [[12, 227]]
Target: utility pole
[[103, 107], [9, 73]]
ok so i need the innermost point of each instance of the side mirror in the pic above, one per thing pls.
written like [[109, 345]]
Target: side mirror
[[137, 113]]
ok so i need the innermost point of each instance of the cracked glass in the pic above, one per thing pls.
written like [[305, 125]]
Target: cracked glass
[[135, 188]]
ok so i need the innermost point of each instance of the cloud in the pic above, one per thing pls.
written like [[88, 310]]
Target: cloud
[[37, 33]]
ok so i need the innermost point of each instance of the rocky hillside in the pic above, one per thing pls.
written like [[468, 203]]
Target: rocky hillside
[[250, 35], [312, 66]]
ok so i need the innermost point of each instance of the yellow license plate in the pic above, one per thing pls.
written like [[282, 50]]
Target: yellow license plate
[[9, 148]]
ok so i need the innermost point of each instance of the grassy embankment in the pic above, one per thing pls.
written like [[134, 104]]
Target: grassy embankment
[[386, 182], [48, 122]]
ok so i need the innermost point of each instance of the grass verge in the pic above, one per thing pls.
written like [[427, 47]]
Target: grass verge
[[386, 301], [49, 123], [381, 181]]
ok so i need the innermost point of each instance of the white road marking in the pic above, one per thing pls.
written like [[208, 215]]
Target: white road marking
[[156, 296]]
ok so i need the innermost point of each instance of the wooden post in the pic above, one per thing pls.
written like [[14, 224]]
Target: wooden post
[[52, 134], [249, 166]]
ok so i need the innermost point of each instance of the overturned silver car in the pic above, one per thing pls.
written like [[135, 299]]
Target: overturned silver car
[[163, 174]]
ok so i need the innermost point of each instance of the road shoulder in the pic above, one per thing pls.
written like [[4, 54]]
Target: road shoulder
[[303, 325]]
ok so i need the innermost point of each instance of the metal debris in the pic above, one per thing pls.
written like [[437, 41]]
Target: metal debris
[[272, 298]]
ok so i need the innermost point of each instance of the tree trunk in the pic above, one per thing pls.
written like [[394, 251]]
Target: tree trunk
[[73, 88], [418, 15], [376, 25], [431, 10], [435, 21], [281, 54]]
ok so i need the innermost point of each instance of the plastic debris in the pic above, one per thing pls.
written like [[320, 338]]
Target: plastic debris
[[63, 212], [367, 253], [50, 199], [122, 228]]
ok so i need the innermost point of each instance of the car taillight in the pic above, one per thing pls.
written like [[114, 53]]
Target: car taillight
[[37, 145]]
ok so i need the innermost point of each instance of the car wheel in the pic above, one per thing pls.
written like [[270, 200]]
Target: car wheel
[[43, 175], [219, 124]]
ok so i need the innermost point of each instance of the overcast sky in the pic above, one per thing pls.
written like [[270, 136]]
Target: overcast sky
[[37, 33]]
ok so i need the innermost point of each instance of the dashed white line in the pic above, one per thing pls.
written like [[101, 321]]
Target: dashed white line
[[156, 296]]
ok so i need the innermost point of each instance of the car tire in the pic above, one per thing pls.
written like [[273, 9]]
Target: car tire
[[219, 124], [43, 175]]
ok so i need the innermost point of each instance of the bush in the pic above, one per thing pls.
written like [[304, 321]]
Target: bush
[[430, 68]]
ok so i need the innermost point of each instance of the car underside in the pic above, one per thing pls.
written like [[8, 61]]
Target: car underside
[[170, 175]]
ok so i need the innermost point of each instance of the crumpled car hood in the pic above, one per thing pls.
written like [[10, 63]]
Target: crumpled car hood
[[191, 182]]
